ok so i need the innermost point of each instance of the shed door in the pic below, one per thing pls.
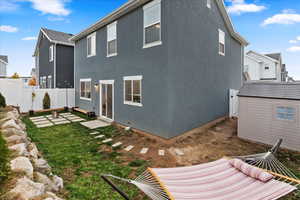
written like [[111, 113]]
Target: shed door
[[233, 103]]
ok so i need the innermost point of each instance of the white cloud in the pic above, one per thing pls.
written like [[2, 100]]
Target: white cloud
[[294, 49], [286, 17], [293, 41], [7, 6], [240, 6], [29, 38], [298, 38], [8, 28], [54, 7]]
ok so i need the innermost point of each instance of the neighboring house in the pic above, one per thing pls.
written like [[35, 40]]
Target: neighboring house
[[162, 67], [33, 72], [54, 59], [269, 111], [3, 66], [264, 67]]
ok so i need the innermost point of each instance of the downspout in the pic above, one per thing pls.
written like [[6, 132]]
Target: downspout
[[54, 73]]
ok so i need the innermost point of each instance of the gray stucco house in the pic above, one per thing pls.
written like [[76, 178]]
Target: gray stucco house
[[163, 67], [54, 59], [3, 65]]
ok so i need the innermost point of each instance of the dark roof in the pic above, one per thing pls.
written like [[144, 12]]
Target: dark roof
[[4, 58], [58, 36], [276, 56], [271, 90]]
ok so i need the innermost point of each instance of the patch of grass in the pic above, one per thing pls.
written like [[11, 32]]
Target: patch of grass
[[137, 163], [72, 153], [4, 155]]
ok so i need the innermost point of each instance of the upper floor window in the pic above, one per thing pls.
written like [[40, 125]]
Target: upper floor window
[[208, 3], [133, 90], [221, 42], [286, 113], [112, 39], [91, 45], [85, 89], [152, 24], [267, 67], [49, 82], [51, 53]]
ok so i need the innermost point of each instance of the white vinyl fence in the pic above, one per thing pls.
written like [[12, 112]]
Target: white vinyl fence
[[16, 93]]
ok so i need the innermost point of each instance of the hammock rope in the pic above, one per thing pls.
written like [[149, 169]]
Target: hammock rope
[[150, 184]]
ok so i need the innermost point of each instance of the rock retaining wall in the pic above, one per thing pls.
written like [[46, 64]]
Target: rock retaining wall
[[37, 180]]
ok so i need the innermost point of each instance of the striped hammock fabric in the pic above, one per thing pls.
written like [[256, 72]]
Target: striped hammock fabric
[[223, 179]]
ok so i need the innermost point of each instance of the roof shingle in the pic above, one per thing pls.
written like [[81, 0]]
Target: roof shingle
[[58, 36], [4, 58]]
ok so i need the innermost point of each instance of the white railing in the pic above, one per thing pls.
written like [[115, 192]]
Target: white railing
[[16, 93]]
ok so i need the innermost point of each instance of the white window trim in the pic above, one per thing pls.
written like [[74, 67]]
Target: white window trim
[[156, 43], [108, 26], [51, 52], [286, 106], [221, 53], [112, 82], [87, 46], [132, 78], [208, 3], [85, 80]]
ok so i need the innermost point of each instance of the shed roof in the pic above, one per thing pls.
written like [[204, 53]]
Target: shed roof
[[4, 58], [130, 5], [271, 90]]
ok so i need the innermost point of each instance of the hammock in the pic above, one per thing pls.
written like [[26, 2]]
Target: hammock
[[253, 177]]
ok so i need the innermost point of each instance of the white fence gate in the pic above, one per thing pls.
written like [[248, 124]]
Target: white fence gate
[[233, 103], [17, 93]]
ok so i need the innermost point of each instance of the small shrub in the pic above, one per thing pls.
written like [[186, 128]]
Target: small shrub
[[46, 101], [3, 160], [137, 163], [2, 101]]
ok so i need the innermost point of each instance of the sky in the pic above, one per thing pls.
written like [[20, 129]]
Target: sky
[[269, 25]]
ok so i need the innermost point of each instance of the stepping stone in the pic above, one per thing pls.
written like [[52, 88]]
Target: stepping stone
[[62, 122], [179, 152], [107, 140], [117, 144], [42, 122], [64, 114], [39, 119], [94, 133], [129, 148], [144, 150], [99, 136], [161, 152], [33, 118], [95, 124], [77, 120], [44, 125], [73, 118], [58, 120]]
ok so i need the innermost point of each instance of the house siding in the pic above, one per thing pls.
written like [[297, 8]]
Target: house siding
[[257, 122], [185, 81], [46, 68], [3, 69], [64, 66]]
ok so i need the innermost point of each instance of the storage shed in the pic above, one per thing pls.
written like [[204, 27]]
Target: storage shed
[[269, 111]]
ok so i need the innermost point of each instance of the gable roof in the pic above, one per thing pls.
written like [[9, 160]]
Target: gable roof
[[4, 59], [276, 56], [272, 90], [56, 37], [262, 55], [133, 4]]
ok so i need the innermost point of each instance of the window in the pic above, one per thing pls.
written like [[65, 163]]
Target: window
[[267, 67], [221, 43], [85, 89], [51, 53], [49, 82], [208, 3], [285, 113], [152, 24], [91, 45], [112, 39], [43, 83], [133, 90]]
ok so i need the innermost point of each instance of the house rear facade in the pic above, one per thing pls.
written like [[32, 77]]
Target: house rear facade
[[54, 59], [163, 66], [3, 65]]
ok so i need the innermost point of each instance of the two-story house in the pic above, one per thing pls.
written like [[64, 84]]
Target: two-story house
[[54, 59], [264, 67], [3, 65], [162, 66]]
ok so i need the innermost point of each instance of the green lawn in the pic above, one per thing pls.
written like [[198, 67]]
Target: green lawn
[[74, 155]]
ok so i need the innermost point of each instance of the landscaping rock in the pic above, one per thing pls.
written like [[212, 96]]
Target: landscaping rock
[[59, 182], [10, 124], [52, 196], [49, 185], [22, 164], [42, 166], [7, 132], [26, 189], [20, 149], [33, 151], [16, 139]]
